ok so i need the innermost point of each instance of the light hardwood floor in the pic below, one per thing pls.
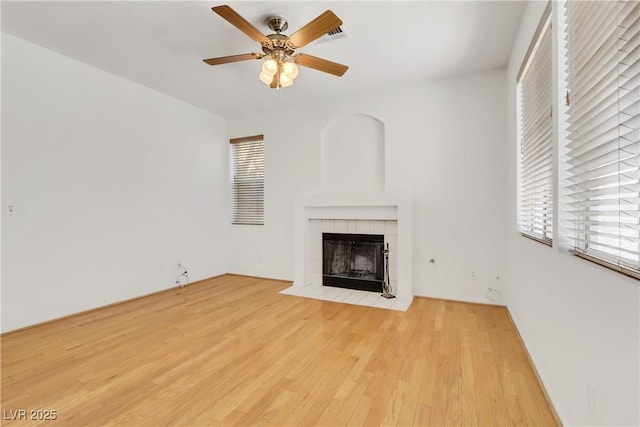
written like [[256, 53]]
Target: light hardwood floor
[[232, 351]]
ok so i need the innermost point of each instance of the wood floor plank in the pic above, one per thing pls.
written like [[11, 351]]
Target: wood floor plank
[[441, 392], [468, 382], [232, 351]]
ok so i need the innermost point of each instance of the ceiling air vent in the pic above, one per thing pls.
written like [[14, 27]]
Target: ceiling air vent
[[336, 33]]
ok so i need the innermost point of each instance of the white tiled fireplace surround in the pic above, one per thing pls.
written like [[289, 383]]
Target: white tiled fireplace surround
[[371, 213]]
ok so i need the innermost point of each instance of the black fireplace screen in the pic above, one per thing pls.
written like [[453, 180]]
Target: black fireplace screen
[[353, 261]]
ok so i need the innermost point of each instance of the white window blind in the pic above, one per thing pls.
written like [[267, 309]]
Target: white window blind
[[536, 137], [247, 180], [603, 47]]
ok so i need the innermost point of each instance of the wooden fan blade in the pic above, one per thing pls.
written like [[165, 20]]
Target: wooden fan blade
[[232, 58], [320, 64], [240, 23], [316, 28]]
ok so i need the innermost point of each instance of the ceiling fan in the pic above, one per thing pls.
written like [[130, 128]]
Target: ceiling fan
[[280, 66]]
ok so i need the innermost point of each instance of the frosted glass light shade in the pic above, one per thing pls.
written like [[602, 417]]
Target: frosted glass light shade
[[285, 80], [266, 79], [269, 67], [290, 69]]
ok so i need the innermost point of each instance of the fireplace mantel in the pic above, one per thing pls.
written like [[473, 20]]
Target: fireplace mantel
[[355, 206]]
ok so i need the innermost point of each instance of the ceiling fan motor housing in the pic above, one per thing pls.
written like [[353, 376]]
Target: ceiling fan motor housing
[[278, 43]]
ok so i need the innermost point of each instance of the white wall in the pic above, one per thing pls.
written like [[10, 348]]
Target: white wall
[[444, 146], [353, 155], [113, 183], [580, 322]]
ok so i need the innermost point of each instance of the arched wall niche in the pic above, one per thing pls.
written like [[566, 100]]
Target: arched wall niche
[[353, 159]]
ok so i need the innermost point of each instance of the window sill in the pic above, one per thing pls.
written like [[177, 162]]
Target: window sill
[[537, 239], [626, 271]]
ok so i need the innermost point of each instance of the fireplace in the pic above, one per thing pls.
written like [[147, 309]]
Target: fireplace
[[387, 214], [353, 261]]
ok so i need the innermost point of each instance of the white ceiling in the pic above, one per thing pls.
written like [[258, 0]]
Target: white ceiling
[[162, 44]]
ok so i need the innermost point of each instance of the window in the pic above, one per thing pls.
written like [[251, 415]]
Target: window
[[247, 180], [536, 136], [603, 52]]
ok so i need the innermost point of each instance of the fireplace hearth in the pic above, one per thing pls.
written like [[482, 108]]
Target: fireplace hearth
[[353, 261]]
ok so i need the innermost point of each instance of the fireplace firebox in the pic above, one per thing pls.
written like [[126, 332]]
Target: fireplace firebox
[[353, 261]]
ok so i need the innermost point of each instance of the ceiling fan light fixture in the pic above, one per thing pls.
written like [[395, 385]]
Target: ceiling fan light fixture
[[278, 70]]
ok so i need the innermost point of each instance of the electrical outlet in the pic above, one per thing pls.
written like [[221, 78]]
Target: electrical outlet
[[11, 209], [474, 276], [591, 397]]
